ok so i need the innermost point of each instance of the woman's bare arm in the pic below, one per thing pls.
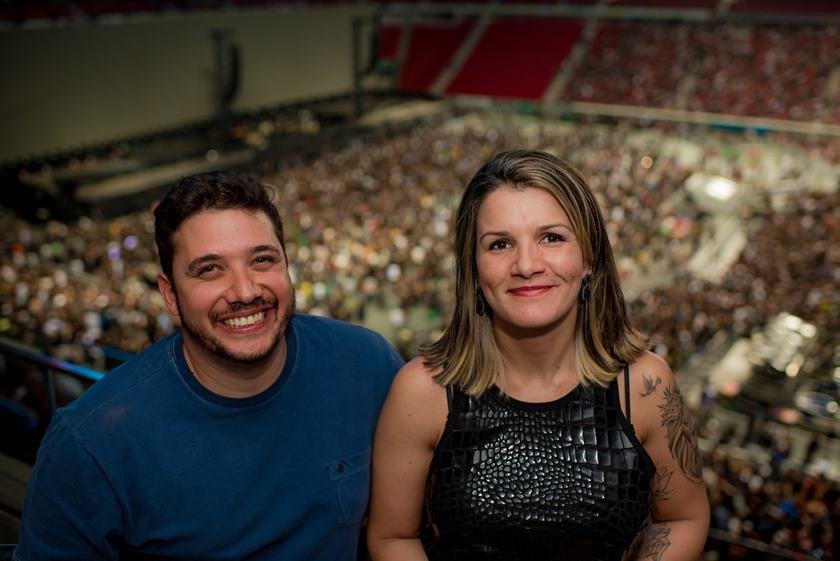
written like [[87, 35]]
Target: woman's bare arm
[[410, 425], [679, 503]]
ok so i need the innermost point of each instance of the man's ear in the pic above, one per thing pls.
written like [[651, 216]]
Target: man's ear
[[167, 290]]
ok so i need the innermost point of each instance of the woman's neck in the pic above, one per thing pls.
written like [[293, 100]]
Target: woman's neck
[[540, 363]]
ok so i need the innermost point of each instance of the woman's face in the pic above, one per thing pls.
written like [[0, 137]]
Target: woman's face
[[530, 264]]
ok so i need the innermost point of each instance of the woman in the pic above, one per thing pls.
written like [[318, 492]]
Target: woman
[[537, 427]]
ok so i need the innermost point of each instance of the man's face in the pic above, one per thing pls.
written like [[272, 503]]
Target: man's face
[[230, 285]]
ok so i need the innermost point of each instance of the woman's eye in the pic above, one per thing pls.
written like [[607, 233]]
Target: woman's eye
[[551, 237], [499, 244]]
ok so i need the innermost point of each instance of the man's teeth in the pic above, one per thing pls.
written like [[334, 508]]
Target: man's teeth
[[246, 321]]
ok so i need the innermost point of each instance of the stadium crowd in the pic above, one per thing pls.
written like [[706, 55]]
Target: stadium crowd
[[368, 228], [775, 503], [783, 72]]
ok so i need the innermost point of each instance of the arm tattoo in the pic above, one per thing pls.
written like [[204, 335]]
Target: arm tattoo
[[659, 489], [632, 552], [655, 543], [649, 385], [679, 428]]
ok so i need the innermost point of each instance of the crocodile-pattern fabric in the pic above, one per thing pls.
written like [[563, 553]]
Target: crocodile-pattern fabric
[[565, 480]]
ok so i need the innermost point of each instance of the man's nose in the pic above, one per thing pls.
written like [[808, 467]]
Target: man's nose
[[243, 288]]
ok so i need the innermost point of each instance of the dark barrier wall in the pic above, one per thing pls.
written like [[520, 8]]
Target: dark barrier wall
[[79, 84]]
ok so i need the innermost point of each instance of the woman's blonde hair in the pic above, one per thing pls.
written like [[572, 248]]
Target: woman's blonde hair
[[605, 342]]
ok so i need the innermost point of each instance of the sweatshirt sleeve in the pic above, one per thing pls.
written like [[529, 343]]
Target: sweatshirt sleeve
[[71, 511]]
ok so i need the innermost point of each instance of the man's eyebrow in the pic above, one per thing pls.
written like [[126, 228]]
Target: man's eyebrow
[[196, 263], [262, 248]]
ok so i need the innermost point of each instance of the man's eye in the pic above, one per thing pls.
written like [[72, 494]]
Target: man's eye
[[263, 259], [207, 269]]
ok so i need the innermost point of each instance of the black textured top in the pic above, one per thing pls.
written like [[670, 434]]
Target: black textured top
[[509, 480]]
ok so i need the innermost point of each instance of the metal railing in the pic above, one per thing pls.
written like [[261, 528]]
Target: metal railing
[[49, 367]]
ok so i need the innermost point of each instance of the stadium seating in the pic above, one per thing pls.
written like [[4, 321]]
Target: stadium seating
[[517, 58], [431, 48]]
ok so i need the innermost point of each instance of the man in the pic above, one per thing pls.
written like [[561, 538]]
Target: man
[[244, 436]]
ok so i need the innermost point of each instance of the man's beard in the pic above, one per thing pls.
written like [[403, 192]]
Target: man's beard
[[210, 343]]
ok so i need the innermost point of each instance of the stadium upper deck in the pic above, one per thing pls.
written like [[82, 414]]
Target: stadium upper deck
[[707, 60]]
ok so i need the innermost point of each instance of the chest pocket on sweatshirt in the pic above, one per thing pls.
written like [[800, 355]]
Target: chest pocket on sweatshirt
[[350, 479]]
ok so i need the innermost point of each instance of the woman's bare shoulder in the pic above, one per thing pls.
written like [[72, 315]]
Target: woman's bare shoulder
[[415, 389], [416, 379], [651, 382], [649, 372]]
